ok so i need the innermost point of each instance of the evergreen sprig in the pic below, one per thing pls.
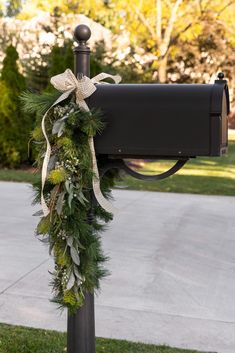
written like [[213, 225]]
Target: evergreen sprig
[[38, 103], [74, 241]]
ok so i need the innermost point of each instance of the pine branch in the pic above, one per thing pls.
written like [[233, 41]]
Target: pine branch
[[32, 103]]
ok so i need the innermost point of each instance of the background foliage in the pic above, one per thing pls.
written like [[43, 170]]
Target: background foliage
[[151, 41], [14, 124]]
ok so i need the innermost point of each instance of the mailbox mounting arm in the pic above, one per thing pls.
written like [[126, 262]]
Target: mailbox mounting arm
[[120, 164]]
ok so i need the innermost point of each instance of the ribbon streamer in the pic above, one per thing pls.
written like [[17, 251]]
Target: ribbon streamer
[[83, 88]]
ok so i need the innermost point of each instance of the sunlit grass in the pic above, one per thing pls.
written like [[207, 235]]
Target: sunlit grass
[[211, 176], [17, 339], [198, 166]]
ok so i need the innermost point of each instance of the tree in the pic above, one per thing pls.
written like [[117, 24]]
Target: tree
[[13, 7], [14, 125], [204, 56], [92, 8], [163, 29], [1, 8], [61, 58], [161, 26]]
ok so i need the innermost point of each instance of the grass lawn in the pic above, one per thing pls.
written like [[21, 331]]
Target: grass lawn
[[17, 339], [209, 176], [18, 175]]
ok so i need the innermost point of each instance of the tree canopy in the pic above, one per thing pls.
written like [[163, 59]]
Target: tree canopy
[[187, 34]]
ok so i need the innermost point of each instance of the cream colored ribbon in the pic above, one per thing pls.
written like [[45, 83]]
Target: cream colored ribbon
[[83, 88]]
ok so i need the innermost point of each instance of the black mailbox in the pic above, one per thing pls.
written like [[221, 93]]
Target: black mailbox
[[162, 120]]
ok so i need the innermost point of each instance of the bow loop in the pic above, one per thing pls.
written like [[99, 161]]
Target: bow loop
[[84, 89], [102, 76], [65, 81]]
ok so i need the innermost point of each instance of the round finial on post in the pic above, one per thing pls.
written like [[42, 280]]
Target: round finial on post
[[82, 34], [220, 75]]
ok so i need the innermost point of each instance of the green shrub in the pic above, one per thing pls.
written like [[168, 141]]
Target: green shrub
[[15, 125]]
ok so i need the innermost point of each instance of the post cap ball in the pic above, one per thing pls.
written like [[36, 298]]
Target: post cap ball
[[82, 33], [220, 75]]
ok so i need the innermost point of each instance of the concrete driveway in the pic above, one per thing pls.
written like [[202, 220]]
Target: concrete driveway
[[172, 263]]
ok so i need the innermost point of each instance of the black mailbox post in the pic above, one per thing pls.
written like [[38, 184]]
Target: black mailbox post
[[148, 121]]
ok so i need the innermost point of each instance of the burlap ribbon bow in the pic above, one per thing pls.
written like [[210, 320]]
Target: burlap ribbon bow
[[83, 88]]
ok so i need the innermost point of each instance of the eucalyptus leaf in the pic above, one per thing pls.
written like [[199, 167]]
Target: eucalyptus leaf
[[45, 240], [71, 187], [58, 127], [78, 282], [77, 294], [37, 143], [61, 129], [51, 245], [51, 163], [75, 255], [59, 203], [77, 273], [69, 241], [70, 198], [82, 198], [79, 244], [67, 185], [71, 281], [38, 213]]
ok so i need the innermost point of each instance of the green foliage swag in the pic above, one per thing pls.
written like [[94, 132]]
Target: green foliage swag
[[72, 234]]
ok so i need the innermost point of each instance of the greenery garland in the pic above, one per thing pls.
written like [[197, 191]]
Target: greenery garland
[[73, 241]]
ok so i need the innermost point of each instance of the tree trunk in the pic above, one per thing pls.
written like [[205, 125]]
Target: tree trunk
[[162, 69]]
